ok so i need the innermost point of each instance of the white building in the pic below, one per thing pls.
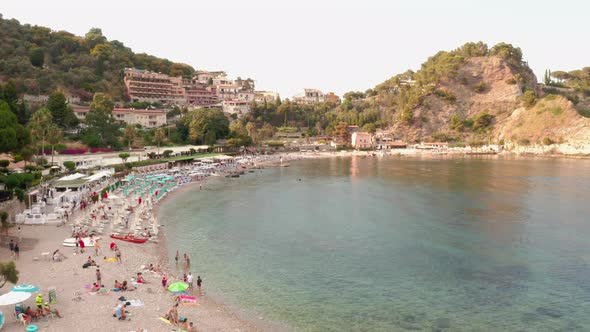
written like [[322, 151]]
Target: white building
[[265, 96], [144, 118], [239, 107]]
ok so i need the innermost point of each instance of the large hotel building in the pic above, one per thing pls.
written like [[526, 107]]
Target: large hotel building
[[205, 89]]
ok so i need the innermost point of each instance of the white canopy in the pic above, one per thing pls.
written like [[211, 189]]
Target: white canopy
[[98, 176], [72, 177], [13, 298]]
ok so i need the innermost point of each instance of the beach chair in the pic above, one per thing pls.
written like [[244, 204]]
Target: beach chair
[[22, 318]]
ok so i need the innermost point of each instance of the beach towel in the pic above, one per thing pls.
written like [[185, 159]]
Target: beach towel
[[135, 303], [165, 320]]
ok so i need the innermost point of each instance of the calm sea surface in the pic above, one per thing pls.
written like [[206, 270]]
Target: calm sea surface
[[387, 244]]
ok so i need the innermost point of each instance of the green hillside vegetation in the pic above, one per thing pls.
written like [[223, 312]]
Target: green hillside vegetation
[[40, 61]]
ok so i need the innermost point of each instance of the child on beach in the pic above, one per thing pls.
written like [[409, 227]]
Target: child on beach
[[118, 254], [164, 280]]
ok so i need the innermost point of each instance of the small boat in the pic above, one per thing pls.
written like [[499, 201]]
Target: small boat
[[128, 238]]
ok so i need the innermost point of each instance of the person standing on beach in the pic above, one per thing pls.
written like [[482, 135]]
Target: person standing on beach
[[177, 257], [118, 254], [199, 283], [189, 279], [20, 235], [98, 277], [16, 251], [11, 246], [164, 280], [96, 247]]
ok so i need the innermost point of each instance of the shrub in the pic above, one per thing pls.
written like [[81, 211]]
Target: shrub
[[550, 97], [167, 153], [4, 163], [446, 95], [556, 110], [511, 81], [70, 165], [482, 121], [443, 137], [584, 112], [524, 141], [529, 98], [548, 141], [480, 87], [501, 142]]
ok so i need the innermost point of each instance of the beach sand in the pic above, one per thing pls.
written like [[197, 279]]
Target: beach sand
[[85, 312]]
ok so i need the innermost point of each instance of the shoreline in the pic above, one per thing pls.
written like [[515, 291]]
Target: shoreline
[[212, 314]]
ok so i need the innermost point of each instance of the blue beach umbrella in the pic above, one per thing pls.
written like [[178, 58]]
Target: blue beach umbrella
[[25, 288]]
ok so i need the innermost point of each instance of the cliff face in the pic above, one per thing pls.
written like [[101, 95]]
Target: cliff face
[[489, 84]]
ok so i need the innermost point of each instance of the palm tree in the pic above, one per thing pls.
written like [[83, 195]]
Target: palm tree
[[54, 136], [40, 124], [159, 137]]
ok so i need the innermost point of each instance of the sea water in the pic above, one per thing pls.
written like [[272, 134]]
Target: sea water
[[390, 244]]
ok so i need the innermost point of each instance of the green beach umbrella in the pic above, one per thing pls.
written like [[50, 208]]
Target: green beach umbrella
[[178, 287]]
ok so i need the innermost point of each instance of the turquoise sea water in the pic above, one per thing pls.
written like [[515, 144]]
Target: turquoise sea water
[[388, 244]]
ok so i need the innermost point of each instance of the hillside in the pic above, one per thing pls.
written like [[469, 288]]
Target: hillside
[[477, 95], [40, 61]]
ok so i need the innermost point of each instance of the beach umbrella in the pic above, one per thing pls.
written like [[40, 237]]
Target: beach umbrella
[[13, 298], [178, 287], [25, 288]]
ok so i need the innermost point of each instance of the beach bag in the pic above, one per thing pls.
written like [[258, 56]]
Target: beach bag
[[86, 265]]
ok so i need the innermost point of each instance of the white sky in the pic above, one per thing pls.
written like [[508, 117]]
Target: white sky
[[288, 45]]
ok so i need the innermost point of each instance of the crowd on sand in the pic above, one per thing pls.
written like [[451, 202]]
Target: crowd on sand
[[129, 282]]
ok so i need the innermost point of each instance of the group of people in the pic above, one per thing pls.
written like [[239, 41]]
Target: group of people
[[186, 259], [182, 322]]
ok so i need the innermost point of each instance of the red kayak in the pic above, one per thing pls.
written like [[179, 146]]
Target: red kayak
[[128, 238]]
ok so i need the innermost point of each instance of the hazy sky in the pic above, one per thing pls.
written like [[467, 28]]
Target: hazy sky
[[288, 45]]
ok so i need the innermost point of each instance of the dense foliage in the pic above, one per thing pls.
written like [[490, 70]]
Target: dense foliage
[[40, 61]]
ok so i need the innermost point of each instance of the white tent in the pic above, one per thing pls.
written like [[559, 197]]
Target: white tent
[[72, 177]]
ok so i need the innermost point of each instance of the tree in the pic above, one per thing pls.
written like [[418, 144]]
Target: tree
[[37, 57], [27, 154], [507, 52], [8, 273], [40, 123], [129, 135], [207, 125], [370, 128], [70, 165], [13, 136], [341, 132], [159, 137], [54, 136], [251, 129], [100, 120], [57, 105], [4, 225], [124, 156]]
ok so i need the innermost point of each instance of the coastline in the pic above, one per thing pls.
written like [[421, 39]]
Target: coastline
[[69, 278]]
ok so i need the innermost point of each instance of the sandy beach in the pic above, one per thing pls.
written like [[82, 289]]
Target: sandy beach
[[83, 311]]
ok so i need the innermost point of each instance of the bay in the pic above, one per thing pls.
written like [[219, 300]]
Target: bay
[[390, 244]]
